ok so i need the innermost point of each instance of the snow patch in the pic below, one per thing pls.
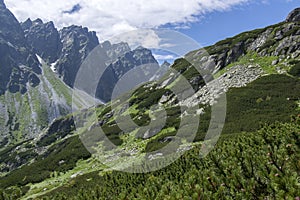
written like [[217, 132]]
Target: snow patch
[[10, 44], [41, 61], [52, 66]]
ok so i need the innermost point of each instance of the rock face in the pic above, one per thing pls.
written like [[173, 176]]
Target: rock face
[[294, 16], [141, 59], [77, 43], [43, 38], [19, 65]]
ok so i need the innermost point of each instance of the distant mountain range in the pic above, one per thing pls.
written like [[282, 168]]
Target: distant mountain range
[[28, 51]]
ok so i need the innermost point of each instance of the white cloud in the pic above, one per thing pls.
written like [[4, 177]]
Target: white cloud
[[140, 37], [112, 17], [164, 57]]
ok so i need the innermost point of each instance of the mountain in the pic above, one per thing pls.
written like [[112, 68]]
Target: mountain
[[256, 156], [77, 43], [277, 40], [32, 96], [65, 51], [39, 64], [18, 65], [43, 39], [127, 61]]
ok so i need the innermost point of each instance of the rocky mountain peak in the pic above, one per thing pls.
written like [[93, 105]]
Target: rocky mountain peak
[[26, 24], [75, 31], [126, 60], [114, 51], [10, 28], [166, 63], [143, 53], [38, 21], [77, 43], [43, 39], [18, 65], [106, 44], [294, 16]]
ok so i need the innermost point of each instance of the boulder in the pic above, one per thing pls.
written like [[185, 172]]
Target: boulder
[[294, 16]]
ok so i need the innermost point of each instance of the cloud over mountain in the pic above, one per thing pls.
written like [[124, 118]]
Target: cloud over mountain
[[111, 17]]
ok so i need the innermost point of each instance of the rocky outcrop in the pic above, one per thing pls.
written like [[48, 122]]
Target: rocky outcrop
[[294, 16], [42, 38], [63, 125], [77, 43], [281, 40]]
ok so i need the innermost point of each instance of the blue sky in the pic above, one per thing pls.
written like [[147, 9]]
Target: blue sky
[[220, 25]]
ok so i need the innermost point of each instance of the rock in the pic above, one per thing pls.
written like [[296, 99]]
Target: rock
[[287, 45], [237, 76], [43, 38], [161, 71], [294, 16], [14, 55], [275, 62], [77, 43], [140, 59], [197, 82], [61, 162], [155, 156], [296, 54], [2, 5], [234, 53], [260, 41], [151, 132], [76, 174], [166, 139], [33, 80]]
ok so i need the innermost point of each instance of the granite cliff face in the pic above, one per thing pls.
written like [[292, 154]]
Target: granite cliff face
[[77, 43], [19, 65], [140, 59], [43, 39]]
